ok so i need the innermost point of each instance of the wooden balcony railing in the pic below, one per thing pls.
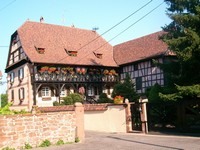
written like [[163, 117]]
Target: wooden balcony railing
[[53, 77]]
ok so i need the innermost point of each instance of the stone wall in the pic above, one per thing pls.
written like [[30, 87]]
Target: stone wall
[[16, 130]]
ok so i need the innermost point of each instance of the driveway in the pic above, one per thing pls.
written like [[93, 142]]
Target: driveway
[[132, 141]]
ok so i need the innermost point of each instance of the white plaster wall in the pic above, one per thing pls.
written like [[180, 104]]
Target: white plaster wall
[[45, 103], [111, 120]]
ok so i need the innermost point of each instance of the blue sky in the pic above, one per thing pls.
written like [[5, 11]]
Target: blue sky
[[85, 14]]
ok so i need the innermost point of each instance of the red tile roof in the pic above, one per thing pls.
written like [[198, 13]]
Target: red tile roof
[[140, 48], [55, 39]]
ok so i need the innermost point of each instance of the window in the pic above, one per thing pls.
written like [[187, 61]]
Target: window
[[71, 53], [90, 91], [12, 77], [63, 92], [138, 83], [21, 94], [45, 92], [21, 73], [98, 55], [40, 50]]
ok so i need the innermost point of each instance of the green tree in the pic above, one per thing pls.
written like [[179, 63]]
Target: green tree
[[4, 100], [183, 38], [103, 98], [126, 89]]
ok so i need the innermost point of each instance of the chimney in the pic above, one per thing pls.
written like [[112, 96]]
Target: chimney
[[41, 19]]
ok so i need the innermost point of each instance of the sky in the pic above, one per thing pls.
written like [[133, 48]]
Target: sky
[[85, 14]]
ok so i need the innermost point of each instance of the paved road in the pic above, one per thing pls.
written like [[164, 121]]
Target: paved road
[[131, 141]]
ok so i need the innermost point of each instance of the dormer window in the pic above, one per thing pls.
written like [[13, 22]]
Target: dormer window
[[40, 50], [71, 53], [98, 55]]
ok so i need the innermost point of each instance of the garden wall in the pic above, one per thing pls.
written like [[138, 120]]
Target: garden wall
[[16, 130], [106, 118]]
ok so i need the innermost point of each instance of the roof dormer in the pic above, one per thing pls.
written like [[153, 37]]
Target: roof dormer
[[98, 55], [40, 50], [71, 53]]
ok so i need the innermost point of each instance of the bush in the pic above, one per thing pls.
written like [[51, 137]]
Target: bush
[[72, 99], [60, 142], [28, 146], [55, 103], [103, 98], [45, 143], [6, 110]]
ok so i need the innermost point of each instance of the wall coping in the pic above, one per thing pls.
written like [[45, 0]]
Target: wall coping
[[87, 107]]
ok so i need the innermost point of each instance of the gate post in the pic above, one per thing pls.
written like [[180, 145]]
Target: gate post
[[143, 114], [79, 112], [128, 116]]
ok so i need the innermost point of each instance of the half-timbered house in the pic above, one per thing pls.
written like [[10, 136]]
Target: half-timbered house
[[47, 62], [137, 57]]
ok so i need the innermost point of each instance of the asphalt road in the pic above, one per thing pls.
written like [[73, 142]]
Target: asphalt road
[[131, 141]]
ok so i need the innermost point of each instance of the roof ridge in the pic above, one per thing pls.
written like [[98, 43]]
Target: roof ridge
[[58, 25], [144, 36]]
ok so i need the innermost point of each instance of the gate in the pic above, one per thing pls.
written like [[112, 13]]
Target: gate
[[139, 116], [135, 117]]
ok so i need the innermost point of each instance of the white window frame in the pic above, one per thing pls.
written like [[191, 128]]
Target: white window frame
[[63, 92], [46, 92], [12, 77], [21, 73]]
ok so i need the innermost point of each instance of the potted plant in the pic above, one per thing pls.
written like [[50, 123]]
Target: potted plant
[[118, 99]]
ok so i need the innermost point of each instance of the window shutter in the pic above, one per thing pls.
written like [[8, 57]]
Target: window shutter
[[19, 74], [23, 94], [22, 72], [12, 94], [19, 93]]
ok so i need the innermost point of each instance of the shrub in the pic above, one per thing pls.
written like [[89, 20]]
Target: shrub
[[77, 140], [72, 99], [45, 143], [55, 103], [60, 142], [28, 146], [103, 98], [6, 110]]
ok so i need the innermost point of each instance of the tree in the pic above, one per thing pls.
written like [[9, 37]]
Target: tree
[[125, 89], [183, 38], [4, 100]]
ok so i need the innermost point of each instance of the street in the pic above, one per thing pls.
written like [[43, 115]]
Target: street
[[131, 141]]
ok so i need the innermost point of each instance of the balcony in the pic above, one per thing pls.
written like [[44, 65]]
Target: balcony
[[69, 74]]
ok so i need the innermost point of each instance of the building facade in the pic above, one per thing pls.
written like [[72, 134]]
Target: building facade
[[47, 62]]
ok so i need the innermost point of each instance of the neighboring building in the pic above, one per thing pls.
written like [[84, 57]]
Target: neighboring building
[[1, 75], [136, 58], [47, 62]]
